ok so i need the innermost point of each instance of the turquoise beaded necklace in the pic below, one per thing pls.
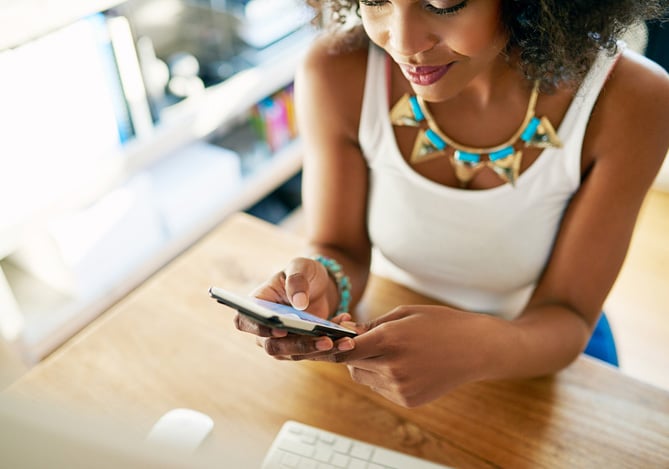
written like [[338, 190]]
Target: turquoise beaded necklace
[[504, 159]]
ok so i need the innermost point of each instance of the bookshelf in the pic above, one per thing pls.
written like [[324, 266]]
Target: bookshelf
[[190, 139]]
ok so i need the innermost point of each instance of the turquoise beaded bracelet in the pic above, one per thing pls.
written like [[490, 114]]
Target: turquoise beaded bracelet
[[341, 280]]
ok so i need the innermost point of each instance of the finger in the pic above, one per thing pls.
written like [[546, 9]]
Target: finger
[[396, 314], [342, 345], [375, 382], [329, 355], [297, 345], [365, 377], [272, 290], [245, 324], [345, 320], [345, 344], [374, 364], [260, 342], [298, 272], [354, 326], [342, 317], [367, 345]]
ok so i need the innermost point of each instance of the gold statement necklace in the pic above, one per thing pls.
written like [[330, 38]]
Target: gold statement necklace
[[504, 159]]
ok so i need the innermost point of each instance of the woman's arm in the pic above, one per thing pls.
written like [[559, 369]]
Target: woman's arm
[[626, 141], [328, 98]]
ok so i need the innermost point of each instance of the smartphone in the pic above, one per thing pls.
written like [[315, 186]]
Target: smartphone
[[280, 316]]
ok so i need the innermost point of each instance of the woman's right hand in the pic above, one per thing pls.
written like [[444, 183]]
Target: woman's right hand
[[306, 285]]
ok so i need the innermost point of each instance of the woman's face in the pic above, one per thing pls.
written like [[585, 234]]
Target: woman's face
[[440, 45]]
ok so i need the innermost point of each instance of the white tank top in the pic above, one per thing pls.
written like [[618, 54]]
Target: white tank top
[[481, 250]]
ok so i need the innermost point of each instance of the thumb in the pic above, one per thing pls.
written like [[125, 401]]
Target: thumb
[[297, 283]]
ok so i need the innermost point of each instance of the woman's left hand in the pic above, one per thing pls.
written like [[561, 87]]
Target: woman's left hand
[[414, 354]]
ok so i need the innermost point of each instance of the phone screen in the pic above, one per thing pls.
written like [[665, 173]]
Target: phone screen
[[285, 310]]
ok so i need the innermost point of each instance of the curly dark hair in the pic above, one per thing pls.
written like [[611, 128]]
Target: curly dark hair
[[556, 41]]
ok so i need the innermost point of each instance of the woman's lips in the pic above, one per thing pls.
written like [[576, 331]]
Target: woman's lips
[[424, 75]]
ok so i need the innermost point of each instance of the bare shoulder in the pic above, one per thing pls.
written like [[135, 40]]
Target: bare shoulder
[[326, 56], [334, 77], [631, 117], [641, 82]]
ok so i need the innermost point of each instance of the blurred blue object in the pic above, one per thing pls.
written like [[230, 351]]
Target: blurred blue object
[[602, 345]]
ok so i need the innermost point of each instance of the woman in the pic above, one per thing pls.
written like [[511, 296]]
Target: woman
[[492, 154]]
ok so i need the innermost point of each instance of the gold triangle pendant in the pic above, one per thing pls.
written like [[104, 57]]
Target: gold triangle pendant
[[465, 167], [403, 113], [428, 145], [507, 168], [545, 136]]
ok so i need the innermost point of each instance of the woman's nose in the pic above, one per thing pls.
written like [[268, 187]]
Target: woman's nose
[[407, 34]]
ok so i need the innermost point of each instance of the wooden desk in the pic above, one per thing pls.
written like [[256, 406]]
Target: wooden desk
[[169, 345]]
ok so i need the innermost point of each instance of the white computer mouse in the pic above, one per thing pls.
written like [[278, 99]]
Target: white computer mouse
[[181, 428]]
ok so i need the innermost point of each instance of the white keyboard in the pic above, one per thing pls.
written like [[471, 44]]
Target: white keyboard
[[300, 446]]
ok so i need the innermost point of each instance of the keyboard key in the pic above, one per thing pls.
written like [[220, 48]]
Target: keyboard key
[[357, 464], [390, 458], [307, 464], [323, 454], [309, 437], [290, 459], [342, 445], [327, 437], [340, 460], [297, 447], [361, 451]]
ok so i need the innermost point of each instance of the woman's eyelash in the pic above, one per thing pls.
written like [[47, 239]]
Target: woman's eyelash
[[431, 8], [446, 11], [372, 3]]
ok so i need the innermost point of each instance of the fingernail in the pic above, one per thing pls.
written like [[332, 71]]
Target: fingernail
[[345, 345], [323, 344], [299, 300]]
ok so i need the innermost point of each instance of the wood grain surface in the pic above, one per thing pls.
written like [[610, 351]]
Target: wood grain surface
[[167, 345]]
